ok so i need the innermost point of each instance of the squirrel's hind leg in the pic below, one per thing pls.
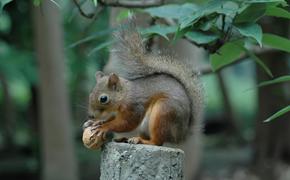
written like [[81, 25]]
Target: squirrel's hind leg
[[161, 116]]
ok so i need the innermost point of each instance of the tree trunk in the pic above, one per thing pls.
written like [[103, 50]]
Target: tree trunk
[[8, 114], [272, 143], [229, 118], [58, 154]]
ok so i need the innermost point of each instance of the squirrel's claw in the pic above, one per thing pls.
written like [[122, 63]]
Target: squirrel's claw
[[100, 132], [94, 123], [99, 122], [134, 140], [96, 127], [88, 123]]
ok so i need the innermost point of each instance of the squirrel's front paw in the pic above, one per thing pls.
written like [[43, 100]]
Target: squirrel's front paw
[[134, 140], [91, 140], [99, 131], [93, 123], [99, 122]]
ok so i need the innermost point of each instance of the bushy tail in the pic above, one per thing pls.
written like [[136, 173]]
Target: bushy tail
[[138, 63]]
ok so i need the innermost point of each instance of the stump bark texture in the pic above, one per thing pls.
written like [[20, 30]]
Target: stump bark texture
[[121, 161]]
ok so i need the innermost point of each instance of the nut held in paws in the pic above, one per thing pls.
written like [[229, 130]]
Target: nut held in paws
[[91, 140]]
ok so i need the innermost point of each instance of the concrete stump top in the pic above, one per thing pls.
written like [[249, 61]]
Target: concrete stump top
[[122, 161]]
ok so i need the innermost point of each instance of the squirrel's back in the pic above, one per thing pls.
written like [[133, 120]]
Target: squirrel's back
[[140, 64]]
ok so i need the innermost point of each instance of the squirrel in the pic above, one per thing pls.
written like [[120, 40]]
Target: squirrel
[[157, 95]]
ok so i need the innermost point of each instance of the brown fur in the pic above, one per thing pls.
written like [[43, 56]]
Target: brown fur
[[125, 121], [159, 117], [159, 123]]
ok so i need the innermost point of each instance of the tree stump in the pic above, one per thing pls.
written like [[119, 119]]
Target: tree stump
[[121, 161]]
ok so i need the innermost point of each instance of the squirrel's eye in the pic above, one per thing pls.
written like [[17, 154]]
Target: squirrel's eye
[[103, 99]]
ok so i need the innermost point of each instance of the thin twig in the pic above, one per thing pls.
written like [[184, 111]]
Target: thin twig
[[131, 4], [208, 69], [257, 51]]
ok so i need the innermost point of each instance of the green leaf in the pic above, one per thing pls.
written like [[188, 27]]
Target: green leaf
[[278, 114], [251, 14], [208, 24], [55, 3], [258, 61], [95, 3], [228, 8], [276, 42], [227, 54], [201, 38], [252, 30], [180, 33], [3, 3], [91, 37], [37, 2], [5, 23], [277, 12], [189, 20], [101, 46], [123, 14], [280, 79], [160, 30], [213, 7], [172, 10]]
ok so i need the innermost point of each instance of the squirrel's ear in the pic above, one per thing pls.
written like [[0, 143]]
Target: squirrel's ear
[[113, 81], [99, 74]]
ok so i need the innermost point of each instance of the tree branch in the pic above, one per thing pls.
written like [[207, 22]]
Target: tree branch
[[131, 4], [89, 16]]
